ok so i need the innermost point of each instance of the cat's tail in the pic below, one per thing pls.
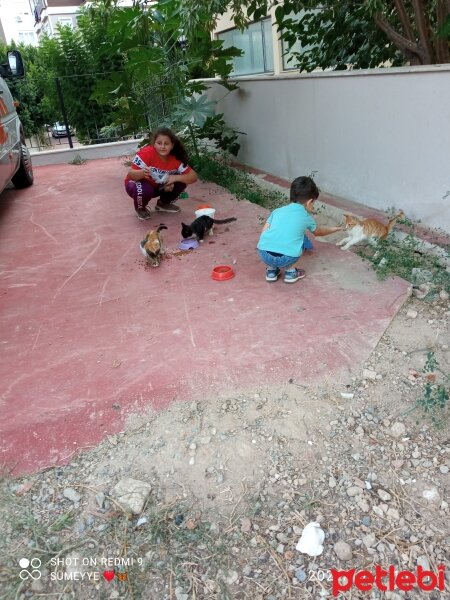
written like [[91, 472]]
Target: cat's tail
[[223, 221], [394, 219], [162, 226]]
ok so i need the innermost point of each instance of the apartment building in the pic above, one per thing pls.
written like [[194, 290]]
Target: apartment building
[[48, 14], [17, 22]]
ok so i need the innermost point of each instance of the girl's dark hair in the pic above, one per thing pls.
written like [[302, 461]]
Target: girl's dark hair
[[178, 150]]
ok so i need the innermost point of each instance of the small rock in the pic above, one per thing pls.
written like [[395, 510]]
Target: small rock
[[411, 314], [393, 513], [100, 499], [354, 490], [131, 494], [369, 374], [300, 575], [423, 561], [431, 495], [369, 540], [398, 429], [443, 295], [71, 495], [180, 595], [443, 469], [343, 550], [231, 577], [366, 521], [384, 495], [37, 586], [332, 482], [246, 525]]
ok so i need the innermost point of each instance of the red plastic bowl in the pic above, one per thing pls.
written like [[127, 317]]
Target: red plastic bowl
[[222, 273]]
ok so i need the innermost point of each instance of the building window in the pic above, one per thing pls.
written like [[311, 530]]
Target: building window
[[256, 45], [27, 37], [64, 21], [289, 54]]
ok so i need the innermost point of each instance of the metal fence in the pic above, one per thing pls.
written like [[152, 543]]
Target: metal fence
[[98, 128]]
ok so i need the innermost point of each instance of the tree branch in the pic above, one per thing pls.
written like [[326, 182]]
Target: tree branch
[[442, 46], [424, 29], [404, 20], [411, 50]]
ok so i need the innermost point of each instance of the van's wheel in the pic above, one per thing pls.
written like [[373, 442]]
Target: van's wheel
[[24, 176]]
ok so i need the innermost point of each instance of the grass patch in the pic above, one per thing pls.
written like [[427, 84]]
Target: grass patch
[[238, 182], [78, 160], [410, 259]]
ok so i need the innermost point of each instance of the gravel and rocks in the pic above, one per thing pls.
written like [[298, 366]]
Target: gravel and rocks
[[208, 500]]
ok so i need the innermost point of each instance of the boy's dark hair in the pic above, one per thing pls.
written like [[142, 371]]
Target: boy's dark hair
[[178, 150], [303, 189]]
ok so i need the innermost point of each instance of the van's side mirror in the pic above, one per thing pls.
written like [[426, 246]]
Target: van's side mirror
[[15, 64]]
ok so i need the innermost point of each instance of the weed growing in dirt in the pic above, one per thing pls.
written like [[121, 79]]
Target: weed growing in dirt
[[78, 160], [409, 259], [237, 181], [436, 395]]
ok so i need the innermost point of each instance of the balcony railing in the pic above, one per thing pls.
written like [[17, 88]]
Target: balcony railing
[[39, 6]]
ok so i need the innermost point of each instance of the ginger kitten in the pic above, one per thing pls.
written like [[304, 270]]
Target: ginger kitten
[[365, 229]]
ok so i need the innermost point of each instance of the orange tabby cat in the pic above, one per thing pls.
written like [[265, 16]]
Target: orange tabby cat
[[365, 229]]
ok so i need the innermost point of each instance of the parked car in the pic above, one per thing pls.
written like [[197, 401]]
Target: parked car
[[15, 160], [59, 130]]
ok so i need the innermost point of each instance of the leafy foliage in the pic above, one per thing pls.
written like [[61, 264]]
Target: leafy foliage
[[360, 34], [436, 395], [125, 69], [338, 36]]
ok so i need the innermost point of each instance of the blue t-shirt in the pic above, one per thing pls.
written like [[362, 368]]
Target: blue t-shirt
[[287, 230]]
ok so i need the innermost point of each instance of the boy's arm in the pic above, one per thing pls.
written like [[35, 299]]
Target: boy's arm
[[266, 226], [326, 230]]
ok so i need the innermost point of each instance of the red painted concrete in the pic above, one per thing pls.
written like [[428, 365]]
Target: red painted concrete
[[90, 332]]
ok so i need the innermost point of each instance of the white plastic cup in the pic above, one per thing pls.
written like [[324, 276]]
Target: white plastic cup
[[208, 212]]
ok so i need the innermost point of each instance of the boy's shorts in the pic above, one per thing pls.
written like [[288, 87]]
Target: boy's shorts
[[280, 261]]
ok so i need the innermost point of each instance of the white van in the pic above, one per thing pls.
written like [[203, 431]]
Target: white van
[[15, 160]]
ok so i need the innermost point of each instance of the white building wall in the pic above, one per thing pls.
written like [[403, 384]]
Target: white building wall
[[17, 21], [379, 137]]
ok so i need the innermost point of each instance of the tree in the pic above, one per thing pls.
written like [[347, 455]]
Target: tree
[[423, 37], [361, 33]]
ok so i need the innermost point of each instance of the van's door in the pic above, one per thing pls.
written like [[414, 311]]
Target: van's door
[[9, 132]]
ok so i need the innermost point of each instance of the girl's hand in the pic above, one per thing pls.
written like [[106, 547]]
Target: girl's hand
[[171, 180]]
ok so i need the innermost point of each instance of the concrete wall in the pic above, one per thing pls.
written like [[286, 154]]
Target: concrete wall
[[379, 137], [66, 155]]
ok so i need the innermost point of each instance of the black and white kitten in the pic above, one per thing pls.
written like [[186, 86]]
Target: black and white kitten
[[201, 226]]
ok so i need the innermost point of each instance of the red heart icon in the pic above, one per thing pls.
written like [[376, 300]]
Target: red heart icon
[[108, 575]]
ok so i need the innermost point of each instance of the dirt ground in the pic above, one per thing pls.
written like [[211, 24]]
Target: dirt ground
[[230, 484]]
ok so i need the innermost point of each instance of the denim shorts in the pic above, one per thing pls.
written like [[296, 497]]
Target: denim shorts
[[277, 261]]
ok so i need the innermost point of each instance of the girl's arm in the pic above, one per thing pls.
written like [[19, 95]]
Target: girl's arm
[[187, 178], [138, 174], [326, 230], [266, 226]]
